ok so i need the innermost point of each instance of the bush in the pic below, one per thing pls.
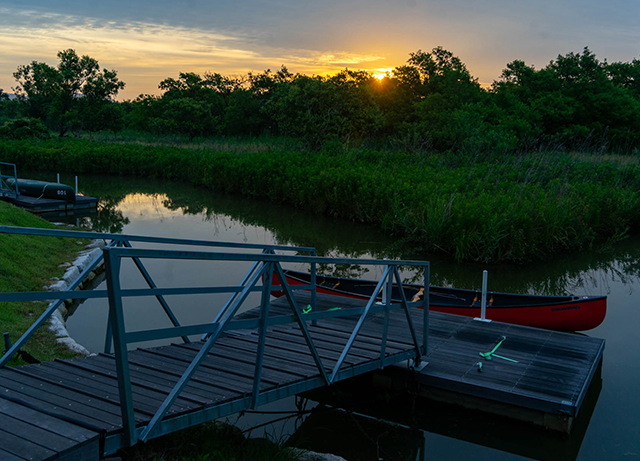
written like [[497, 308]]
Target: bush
[[26, 128]]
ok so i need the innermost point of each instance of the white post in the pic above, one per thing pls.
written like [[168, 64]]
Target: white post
[[483, 303], [58, 174], [76, 185], [483, 309]]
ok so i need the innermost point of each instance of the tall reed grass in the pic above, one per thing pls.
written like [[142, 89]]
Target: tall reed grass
[[473, 207]]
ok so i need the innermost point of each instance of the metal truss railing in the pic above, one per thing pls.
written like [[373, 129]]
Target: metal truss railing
[[114, 240], [266, 266], [4, 187]]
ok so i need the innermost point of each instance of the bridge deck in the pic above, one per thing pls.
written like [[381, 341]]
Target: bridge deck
[[83, 393]]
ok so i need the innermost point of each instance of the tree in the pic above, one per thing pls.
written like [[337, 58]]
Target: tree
[[576, 101], [448, 93], [60, 95], [318, 110]]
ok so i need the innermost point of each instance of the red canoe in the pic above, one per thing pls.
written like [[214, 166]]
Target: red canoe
[[562, 313]]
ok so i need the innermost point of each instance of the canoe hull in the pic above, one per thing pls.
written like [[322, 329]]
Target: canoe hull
[[561, 313]]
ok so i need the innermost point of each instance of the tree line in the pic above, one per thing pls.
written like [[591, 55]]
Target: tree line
[[432, 103]]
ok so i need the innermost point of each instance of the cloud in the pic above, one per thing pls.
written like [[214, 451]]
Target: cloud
[[151, 51], [149, 40]]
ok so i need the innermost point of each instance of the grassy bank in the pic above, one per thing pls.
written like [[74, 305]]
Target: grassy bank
[[28, 263], [473, 207]]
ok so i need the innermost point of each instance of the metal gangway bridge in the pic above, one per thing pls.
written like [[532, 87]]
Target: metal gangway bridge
[[244, 357]]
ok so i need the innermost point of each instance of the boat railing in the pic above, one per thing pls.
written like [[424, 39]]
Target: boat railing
[[5, 189], [266, 265]]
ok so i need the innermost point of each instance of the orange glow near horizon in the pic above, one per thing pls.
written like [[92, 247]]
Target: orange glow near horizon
[[381, 73]]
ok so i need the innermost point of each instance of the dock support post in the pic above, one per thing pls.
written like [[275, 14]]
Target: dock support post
[[76, 185], [483, 302], [7, 342], [116, 319], [483, 309], [425, 307], [58, 177]]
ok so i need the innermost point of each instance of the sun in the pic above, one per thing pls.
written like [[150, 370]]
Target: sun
[[381, 73]]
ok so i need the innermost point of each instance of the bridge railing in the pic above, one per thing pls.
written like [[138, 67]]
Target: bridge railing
[[266, 266], [112, 241], [4, 187]]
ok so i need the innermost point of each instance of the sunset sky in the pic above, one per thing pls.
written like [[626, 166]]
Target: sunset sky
[[147, 41]]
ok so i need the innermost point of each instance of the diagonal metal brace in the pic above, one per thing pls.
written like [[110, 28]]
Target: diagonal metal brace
[[199, 358]]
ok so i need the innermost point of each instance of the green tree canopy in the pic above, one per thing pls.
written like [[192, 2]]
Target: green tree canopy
[[576, 100], [63, 96]]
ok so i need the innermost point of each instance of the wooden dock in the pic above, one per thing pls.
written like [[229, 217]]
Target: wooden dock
[[539, 376], [546, 386], [74, 404], [46, 205]]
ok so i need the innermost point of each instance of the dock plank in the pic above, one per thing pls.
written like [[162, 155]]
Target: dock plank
[[45, 422], [6, 456], [30, 432], [228, 382], [50, 400], [26, 449]]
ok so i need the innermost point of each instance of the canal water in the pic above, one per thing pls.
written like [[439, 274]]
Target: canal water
[[609, 426]]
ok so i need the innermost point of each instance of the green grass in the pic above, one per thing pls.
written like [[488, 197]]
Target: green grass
[[28, 263], [487, 208]]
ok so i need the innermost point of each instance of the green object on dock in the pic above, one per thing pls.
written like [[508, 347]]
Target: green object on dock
[[489, 355], [307, 309], [505, 358]]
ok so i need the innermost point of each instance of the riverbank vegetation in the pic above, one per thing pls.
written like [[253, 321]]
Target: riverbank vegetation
[[27, 263], [542, 161], [479, 207]]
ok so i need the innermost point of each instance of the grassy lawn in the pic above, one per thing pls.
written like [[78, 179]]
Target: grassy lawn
[[28, 263]]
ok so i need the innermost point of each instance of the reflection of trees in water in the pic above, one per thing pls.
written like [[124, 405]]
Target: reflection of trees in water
[[590, 272], [109, 218]]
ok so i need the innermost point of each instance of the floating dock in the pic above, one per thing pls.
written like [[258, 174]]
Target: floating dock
[[535, 375], [47, 205], [42, 197], [546, 383]]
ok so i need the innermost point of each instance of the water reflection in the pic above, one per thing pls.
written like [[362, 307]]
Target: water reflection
[[379, 423]]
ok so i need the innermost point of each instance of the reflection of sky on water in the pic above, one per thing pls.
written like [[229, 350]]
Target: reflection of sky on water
[[614, 430]]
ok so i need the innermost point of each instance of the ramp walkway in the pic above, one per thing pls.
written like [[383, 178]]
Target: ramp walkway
[[91, 407]]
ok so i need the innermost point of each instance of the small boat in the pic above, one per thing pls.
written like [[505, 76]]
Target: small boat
[[561, 313], [42, 189]]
